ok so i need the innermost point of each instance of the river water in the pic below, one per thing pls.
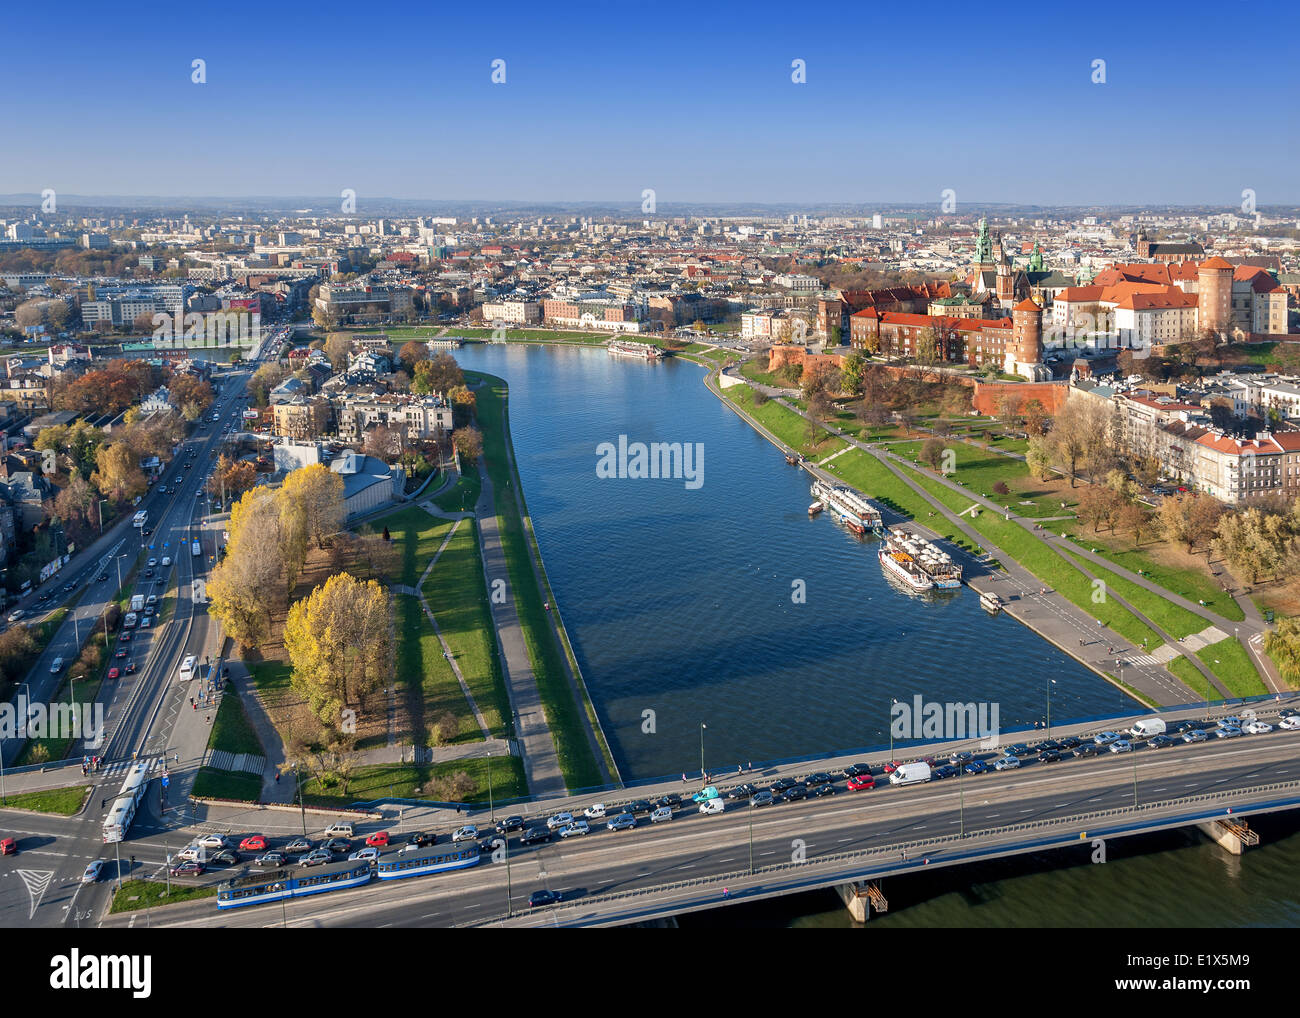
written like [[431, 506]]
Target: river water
[[682, 604]]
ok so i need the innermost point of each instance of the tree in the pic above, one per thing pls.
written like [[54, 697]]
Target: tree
[[341, 644], [412, 352], [932, 452], [851, 373], [337, 347], [468, 443], [119, 474], [264, 379], [1039, 458], [1035, 418], [318, 492], [437, 374], [231, 478], [1253, 542], [1134, 518], [1282, 644]]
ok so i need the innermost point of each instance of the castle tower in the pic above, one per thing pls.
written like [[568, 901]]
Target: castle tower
[[1214, 295], [1025, 354]]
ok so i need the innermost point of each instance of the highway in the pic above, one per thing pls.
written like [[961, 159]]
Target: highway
[[140, 708], [925, 820]]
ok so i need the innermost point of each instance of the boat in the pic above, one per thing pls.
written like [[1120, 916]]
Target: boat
[[642, 351], [792, 459], [847, 506], [990, 602], [929, 558], [815, 508], [902, 567]]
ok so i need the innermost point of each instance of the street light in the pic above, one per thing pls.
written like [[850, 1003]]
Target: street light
[[1050, 684], [702, 774], [892, 701], [297, 780]]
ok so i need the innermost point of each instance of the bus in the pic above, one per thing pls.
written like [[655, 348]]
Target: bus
[[141, 518], [119, 818], [196, 549]]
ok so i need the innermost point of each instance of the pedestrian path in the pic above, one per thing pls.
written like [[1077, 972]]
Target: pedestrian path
[[1204, 638], [224, 760]]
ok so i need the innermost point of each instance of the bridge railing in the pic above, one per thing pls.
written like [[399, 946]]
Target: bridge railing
[[910, 847]]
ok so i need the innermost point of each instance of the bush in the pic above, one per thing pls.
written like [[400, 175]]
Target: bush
[[1001, 488]]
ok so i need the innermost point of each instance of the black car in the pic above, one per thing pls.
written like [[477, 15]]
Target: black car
[[337, 845], [535, 834], [965, 756], [1049, 756], [1048, 746], [763, 798], [946, 771], [640, 806], [102, 576], [794, 794], [781, 784], [539, 899], [820, 790], [856, 770], [1019, 749], [1085, 749], [742, 791], [1070, 742], [507, 825], [813, 780], [226, 857], [1161, 741], [671, 800], [419, 839]]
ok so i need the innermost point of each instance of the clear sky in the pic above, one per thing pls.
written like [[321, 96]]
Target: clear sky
[[694, 100]]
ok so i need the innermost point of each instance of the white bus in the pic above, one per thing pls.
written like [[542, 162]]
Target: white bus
[[141, 518], [119, 818], [187, 667], [196, 549]]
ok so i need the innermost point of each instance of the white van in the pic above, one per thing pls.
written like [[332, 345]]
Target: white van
[[910, 773], [342, 829], [711, 806], [1147, 727], [166, 561], [187, 667]]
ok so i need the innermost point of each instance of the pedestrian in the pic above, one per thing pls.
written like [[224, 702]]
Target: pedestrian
[[740, 769], [725, 892], [683, 779], [208, 719], [277, 777], [904, 855], [750, 766]]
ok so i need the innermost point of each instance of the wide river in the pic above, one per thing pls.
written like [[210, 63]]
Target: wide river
[[681, 602]]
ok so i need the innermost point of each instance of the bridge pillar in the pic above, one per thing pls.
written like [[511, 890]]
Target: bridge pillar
[[1233, 835], [857, 899]]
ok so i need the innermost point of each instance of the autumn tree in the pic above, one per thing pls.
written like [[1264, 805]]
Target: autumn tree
[[1282, 644], [231, 478], [341, 645], [337, 347], [468, 443], [437, 374], [412, 352], [318, 492], [118, 474]]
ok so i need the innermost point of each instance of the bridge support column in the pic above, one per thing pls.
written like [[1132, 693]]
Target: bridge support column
[[857, 899], [1233, 835]]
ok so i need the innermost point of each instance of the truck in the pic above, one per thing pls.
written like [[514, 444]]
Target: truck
[[137, 602], [196, 549], [910, 773], [1148, 727], [130, 620]]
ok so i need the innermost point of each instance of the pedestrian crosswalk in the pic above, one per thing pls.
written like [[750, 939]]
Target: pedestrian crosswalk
[[119, 768]]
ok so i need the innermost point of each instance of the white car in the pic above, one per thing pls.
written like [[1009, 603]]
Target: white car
[[1257, 728], [212, 841], [370, 854], [190, 853], [1006, 763], [93, 871], [1121, 746], [167, 560], [1291, 723], [595, 811], [559, 820], [577, 827], [467, 833], [153, 562]]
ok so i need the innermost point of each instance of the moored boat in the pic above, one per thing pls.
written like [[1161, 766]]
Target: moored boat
[[990, 602], [903, 567], [815, 508]]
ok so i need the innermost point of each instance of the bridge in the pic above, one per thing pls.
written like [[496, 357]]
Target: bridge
[[850, 840]]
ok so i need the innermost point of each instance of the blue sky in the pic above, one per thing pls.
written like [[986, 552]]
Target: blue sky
[[693, 100]]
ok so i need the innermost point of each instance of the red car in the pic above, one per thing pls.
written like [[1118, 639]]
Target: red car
[[892, 766], [8, 846], [121, 653], [378, 840], [113, 673], [861, 781], [187, 869], [253, 843]]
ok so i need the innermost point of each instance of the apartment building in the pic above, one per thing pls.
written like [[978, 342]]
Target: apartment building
[[513, 312], [417, 417]]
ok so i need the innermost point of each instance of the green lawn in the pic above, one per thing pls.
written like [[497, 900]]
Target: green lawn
[[211, 783], [417, 536], [562, 711], [415, 781], [231, 729], [1176, 621], [430, 686], [462, 496], [866, 473], [271, 678], [64, 802], [456, 595], [786, 425], [138, 894], [979, 470], [1230, 662]]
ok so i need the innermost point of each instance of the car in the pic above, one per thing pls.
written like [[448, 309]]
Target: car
[[129, 669], [8, 846], [1006, 763], [148, 574], [762, 798], [1194, 735], [1161, 741], [892, 766], [1048, 746], [150, 612], [574, 829], [819, 791], [151, 599], [858, 782], [705, 793], [340, 846], [1105, 738], [1049, 756], [794, 794], [672, 800], [554, 823], [1257, 728], [146, 532], [189, 868], [1018, 749], [622, 822], [965, 756], [595, 811], [125, 637], [1085, 749], [226, 857], [68, 588], [540, 899], [535, 834], [153, 562], [122, 653], [368, 854], [511, 823], [1229, 722], [113, 673], [1290, 723], [14, 616], [976, 767], [102, 576], [1227, 732], [661, 814], [378, 840], [781, 785], [1288, 712], [419, 839], [814, 780], [253, 843], [1070, 742], [639, 806], [270, 859], [92, 872], [317, 858], [1121, 746], [741, 791], [467, 833], [213, 841], [856, 770]]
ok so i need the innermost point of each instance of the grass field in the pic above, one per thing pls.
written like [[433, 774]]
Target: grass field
[[456, 595], [64, 802], [211, 783], [429, 685], [231, 729], [786, 425], [138, 894], [979, 470], [1176, 621], [1230, 662], [461, 496], [417, 536], [412, 781]]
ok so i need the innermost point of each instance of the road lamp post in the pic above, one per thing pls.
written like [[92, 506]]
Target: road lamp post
[[1050, 684], [702, 773], [491, 808], [297, 780], [890, 723]]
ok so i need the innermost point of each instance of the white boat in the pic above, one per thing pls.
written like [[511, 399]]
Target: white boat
[[642, 351], [902, 566], [990, 602]]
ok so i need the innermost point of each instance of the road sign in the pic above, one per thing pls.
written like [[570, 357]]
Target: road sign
[[166, 781]]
